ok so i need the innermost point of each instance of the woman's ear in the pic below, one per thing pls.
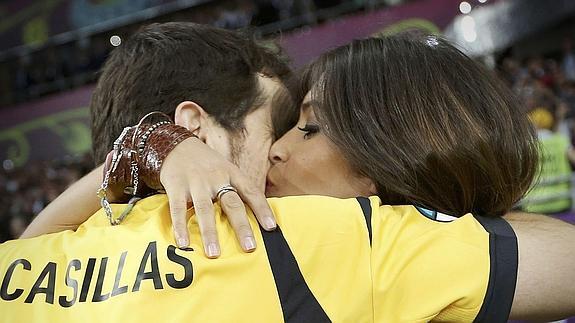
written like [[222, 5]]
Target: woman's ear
[[191, 116]]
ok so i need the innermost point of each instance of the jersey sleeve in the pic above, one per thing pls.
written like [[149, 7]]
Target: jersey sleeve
[[433, 267], [504, 259]]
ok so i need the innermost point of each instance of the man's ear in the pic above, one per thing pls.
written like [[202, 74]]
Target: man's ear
[[190, 115]]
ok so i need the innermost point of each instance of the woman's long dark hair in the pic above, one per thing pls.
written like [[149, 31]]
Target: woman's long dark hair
[[426, 123]]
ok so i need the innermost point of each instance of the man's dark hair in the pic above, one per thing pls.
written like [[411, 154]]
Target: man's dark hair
[[162, 65]]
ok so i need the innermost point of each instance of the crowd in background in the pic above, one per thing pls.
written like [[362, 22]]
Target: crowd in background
[[66, 66], [546, 89], [25, 191], [547, 83]]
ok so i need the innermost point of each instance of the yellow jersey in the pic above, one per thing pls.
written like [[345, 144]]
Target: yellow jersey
[[330, 260]]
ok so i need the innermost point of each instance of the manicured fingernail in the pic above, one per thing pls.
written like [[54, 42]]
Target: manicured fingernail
[[182, 242], [213, 250], [249, 243], [270, 223]]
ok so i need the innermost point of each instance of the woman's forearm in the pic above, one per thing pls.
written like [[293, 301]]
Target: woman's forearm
[[70, 209]]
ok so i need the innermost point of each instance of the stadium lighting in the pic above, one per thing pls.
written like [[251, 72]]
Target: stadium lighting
[[465, 7], [115, 40], [8, 164], [482, 1], [468, 27]]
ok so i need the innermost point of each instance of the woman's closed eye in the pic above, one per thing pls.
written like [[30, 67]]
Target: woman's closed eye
[[309, 130]]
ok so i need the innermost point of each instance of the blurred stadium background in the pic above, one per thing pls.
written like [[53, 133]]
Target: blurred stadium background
[[51, 51]]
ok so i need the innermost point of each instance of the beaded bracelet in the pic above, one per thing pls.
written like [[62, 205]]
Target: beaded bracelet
[[160, 143], [144, 138]]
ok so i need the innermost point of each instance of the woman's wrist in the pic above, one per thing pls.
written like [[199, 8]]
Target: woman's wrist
[[159, 144], [143, 148]]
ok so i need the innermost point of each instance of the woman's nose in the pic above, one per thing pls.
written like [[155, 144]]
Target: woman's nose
[[279, 152]]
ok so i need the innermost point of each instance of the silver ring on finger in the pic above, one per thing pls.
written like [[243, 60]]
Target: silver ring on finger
[[225, 189]]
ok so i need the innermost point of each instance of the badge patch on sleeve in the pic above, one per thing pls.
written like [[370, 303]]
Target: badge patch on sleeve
[[434, 215]]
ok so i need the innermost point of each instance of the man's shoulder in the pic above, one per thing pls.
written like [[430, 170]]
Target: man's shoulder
[[142, 211], [316, 201], [319, 207]]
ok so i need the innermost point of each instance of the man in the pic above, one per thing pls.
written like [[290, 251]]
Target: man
[[215, 82], [306, 271]]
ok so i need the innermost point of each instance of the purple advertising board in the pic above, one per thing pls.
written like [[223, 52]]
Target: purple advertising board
[[46, 129], [429, 15]]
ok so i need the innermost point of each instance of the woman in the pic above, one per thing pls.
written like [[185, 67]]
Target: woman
[[415, 121], [434, 129]]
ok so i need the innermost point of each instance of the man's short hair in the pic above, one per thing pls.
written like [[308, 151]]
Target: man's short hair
[[162, 65]]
